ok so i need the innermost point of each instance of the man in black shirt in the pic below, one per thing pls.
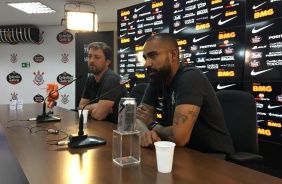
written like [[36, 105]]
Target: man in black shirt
[[101, 82], [192, 115]]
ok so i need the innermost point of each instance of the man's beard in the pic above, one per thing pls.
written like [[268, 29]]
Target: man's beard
[[95, 70], [158, 78]]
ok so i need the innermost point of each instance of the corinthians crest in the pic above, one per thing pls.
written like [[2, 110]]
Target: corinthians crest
[[65, 58], [38, 79], [65, 99], [14, 96], [14, 58]]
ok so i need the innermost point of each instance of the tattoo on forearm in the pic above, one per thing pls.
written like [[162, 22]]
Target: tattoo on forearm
[[167, 133], [193, 113], [179, 118], [171, 133]]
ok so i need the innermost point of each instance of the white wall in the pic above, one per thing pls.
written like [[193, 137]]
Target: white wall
[[52, 66]]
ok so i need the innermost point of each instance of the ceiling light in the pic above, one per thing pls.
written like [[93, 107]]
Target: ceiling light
[[81, 20], [32, 7]]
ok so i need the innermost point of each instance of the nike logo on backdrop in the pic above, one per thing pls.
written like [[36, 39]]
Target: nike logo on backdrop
[[259, 121], [138, 38], [121, 50], [177, 31], [255, 7], [225, 86], [273, 107], [129, 23], [122, 35], [196, 40], [214, 16], [138, 9], [260, 29], [225, 21], [253, 73]]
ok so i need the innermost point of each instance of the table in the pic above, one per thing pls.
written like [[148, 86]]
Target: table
[[10, 169], [43, 163]]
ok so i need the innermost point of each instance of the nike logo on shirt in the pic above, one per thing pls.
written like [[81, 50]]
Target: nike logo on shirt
[[253, 73], [260, 29], [225, 21], [225, 86]]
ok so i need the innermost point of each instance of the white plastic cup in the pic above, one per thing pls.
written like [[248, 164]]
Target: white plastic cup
[[13, 104], [85, 115], [164, 154], [20, 104]]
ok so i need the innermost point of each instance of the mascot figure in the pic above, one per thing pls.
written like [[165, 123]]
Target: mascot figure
[[52, 96]]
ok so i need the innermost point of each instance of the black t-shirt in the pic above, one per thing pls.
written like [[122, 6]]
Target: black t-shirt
[[108, 82], [191, 86]]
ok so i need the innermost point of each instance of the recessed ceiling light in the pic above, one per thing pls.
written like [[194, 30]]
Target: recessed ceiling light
[[32, 7]]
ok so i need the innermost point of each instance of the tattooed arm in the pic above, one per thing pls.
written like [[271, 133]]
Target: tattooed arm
[[185, 116]]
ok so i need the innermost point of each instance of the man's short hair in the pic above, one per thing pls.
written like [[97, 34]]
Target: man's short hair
[[104, 47], [165, 38]]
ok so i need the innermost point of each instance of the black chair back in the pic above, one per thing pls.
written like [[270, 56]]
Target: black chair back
[[137, 92], [240, 114]]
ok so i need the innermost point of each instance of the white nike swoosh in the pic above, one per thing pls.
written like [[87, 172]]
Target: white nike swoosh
[[225, 86], [196, 40], [253, 73], [272, 107], [225, 21], [255, 7], [138, 9], [129, 23], [260, 121], [121, 50], [206, 72], [138, 38], [214, 16], [177, 31], [260, 29], [122, 35]]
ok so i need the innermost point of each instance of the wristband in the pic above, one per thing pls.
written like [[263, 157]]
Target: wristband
[[152, 125]]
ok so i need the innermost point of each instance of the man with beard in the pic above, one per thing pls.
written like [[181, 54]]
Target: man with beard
[[192, 115], [102, 82]]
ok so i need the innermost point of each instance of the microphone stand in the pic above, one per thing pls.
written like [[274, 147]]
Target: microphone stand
[[45, 117], [81, 140]]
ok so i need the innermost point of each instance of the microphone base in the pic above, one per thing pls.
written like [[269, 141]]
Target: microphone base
[[83, 141], [47, 118]]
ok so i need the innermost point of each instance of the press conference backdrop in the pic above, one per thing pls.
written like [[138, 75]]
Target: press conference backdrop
[[27, 68], [237, 44]]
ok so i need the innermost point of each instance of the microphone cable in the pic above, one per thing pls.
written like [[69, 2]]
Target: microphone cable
[[58, 142]]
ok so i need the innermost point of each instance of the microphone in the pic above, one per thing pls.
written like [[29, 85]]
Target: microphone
[[45, 117], [81, 140]]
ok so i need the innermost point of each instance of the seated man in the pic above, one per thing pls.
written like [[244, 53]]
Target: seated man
[[103, 82], [191, 111]]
